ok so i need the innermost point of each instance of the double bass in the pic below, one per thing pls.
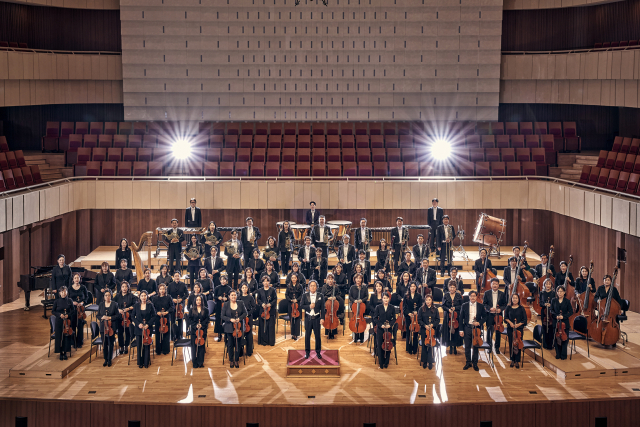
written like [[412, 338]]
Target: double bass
[[331, 320], [604, 328], [583, 307], [571, 290], [484, 281], [519, 287], [541, 280]]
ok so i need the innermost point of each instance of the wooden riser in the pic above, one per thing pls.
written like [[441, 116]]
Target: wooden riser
[[38, 365]]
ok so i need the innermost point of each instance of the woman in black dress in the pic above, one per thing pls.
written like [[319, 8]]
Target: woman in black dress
[[199, 320], [402, 287], [193, 252], [124, 273], [293, 294], [341, 278], [164, 276], [80, 296], [105, 281], [516, 318], [267, 301], [545, 297], [376, 297], [381, 276], [144, 316], [250, 280], [452, 302], [233, 312], [249, 302], [196, 292], [211, 238], [147, 284], [359, 293], [206, 285], [126, 301], [295, 269], [108, 311], [407, 265], [178, 291], [220, 296], [62, 309], [357, 269], [384, 317], [382, 256], [428, 318], [60, 276], [581, 282], [562, 275], [561, 309], [270, 253], [164, 308], [124, 252], [285, 245], [411, 303], [270, 272]]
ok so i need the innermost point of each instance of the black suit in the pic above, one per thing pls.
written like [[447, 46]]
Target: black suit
[[430, 279], [196, 222], [234, 265], [539, 273], [312, 323], [487, 301], [397, 244], [507, 277], [315, 239], [246, 244], [420, 252], [305, 267], [174, 251], [445, 258], [309, 220], [357, 239], [434, 224], [467, 327], [217, 265], [350, 257]]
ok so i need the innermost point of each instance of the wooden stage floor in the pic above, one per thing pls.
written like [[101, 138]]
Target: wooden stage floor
[[263, 380]]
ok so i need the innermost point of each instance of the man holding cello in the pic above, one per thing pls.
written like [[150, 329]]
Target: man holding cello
[[495, 302]]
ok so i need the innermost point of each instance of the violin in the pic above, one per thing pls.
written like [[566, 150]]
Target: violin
[[66, 325], [295, 311], [357, 324], [164, 324], [453, 323], [387, 344], [200, 335], [477, 335], [81, 314], [247, 325], [237, 330], [498, 322], [266, 314], [430, 337], [179, 311], [108, 330], [561, 332], [146, 335], [331, 320], [126, 316], [517, 342]]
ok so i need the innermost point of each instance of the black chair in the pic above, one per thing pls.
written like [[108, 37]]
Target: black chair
[[244, 354], [623, 317], [211, 306], [52, 336], [91, 307], [283, 314], [536, 343], [96, 339], [180, 343]]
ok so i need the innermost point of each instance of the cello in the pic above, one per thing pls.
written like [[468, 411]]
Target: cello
[[357, 324], [540, 284], [519, 287], [604, 328], [331, 320], [583, 306], [484, 281]]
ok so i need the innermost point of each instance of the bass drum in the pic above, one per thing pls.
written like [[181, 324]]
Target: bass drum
[[489, 230]]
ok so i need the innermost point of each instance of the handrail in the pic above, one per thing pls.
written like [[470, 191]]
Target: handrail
[[573, 184], [555, 52], [69, 52]]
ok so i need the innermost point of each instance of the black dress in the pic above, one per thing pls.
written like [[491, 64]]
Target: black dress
[[547, 318], [108, 341], [285, 251], [198, 318], [564, 309], [294, 292], [62, 306], [401, 291], [207, 240], [178, 291], [80, 295], [220, 296], [267, 330], [273, 279], [451, 338], [60, 277], [517, 315], [163, 341], [319, 269], [249, 302], [363, 295], [276, 264], [252, 286], [124, 276], [382, 262], [163, 279], [148, 316], [380, 316], [301, 278], [207, 289], [560, 278], [126, 254], [150, 287], [233, 345], [581, 285], [104, 281], [342, 282], [427, 316], [191, 301], [409, 305], [124, 334], [329, 291]]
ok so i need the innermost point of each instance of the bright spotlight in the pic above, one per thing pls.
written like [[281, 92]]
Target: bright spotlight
[[441, 149], [182, 149]]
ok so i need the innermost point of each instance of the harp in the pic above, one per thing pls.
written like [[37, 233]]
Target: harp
[[135, 249]]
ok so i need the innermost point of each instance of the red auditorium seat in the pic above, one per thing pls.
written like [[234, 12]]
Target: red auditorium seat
[[35, 171], [526, 128], [405, 141], [304, 128], [318, 142], [304, 168], [216, 141], [204, 128], [318, 128], [502, 141], [108, 168], [395, 168], [482, 168], [511, 128], [304, 141], [488, 141], [27, 175], [602, 158], [333, 128], [611, 160], [348, 141], [513, 168], [155, 169], [412, 169], [288, 168], [426, 169], [393, 155], [319, 168], [483, 128], [95, 128], [538, 155], [361, 128], [139, 168], [93, 168], [348, 155], [635, 146], [233, 128], [472, 141], [154, 128], [226, 168], [289, 141], [210, 168], [529, 169], [603, 177], [363, 155], [476, 154], [83, 155], [593, 175], [349, 169], [584, 175], [333, 155], [636, 165], [4, 163], [275, 128], [82, 128], [105, 141], [275, 141], [465, 168], [612, 181], [541, 128], [262, 128], [572, 141], [246, 129], [3, 187], [375, 128], [130, 154], [231, 141], [620, 160], [391, 141], [404, 128], [629, 162], [389, 128], [242, 169], [617, 143], [228, 154], [523, 155], [161, 154], [492, 154], [98, 154], [245, 141], [517, 141], [272, 169], [50, 139], [213, 155], [11, 159], [17, 177], [125, 128], [256, 169], [288, 155], [273, 155], [150, 141], [498, 168], [124, 168], [9, 181], [115, 155], [626, 145], [548, 142], [304, 155], [623, 180], [632, 186], [19, 155], [90, 141], [66, 129], [259, 155], [365, 169], [532, 141], [135, 141], [409, 155], [346, 128], [289, 128], [497, 128]]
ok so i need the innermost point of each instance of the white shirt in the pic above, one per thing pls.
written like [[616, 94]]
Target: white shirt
[[421, 250], [345, 252], [472, 311], [213, 263], [313, 213], [363, 266], [544, 269], [494, 294], [400, 234], [312, 298], [321, 228], [249, 233], [307, 249], [363, 235], [193, 214], [513, 276], [435, 210]]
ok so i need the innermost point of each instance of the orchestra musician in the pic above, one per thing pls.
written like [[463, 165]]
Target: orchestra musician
[[147, 284], [509, 274], [444, 236], [193, 262], [516, 318], [412, 302], [434, 220], [516, 254], [164, 308], [452, 302], [179, 293], [220, 296], [321, 236], [381, 276], [561, 309], [124, 273], [124, 252], [312, 215], [541, 269], [144, 316], [362, 237], [249, 302], [305, 253], [192, 215], [270, 272], [255, 263], [105, 281], [313, 306], [196, 292], [267, 299], [428, 318], [233, 250], [331, 291], [603, 292], [420, 250], [295, 271], [545, 297], [346, 254], [562, 275], [382, 256], [174, 246], [402, 287], [62, 309], [426, 277], [366, 267], [80, 296], [399, 239], [233, 312], [384, 317], [285, 246], [164, 276], [126, 301], [495, 302], [199, 320], [249, 237], [60, 276], [209, 236], [478, 266], [581, 282], [319, 267], [455, 278], [357, 294], [376, 297], [206, 284], [250, 280], [292, 295], [271, 252], [407, 265], [471, 314], [108, 310], [214, 265]]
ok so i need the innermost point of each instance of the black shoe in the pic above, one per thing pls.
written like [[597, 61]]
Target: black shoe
[[126, 351], [466, 366], [424, 366], [455, 350], [140, 366], [319, 355], [105, 363], [430, 366], [61, 357], [475, 367], [65, 356], [146, 367], [237, 365], [306, 356], [386, 365], [109, 364], [497, 351], [512, 363], [450, 350]]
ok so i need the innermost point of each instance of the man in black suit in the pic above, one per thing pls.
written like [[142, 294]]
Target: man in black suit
[[509, 273], [313, 305], [174, 246], [434, 220], [445, 235], [478, 266], [192, 215], [366, 267], [495, 302], [234, 263], [421, 250], [426, 277], [250, 236], [472, 314], [305, 254], [214, 265], [312, 217], [346, 255], [321, 235], [400, 239], [541, 269], [362, 235]]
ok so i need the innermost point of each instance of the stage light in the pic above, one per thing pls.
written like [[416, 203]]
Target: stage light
[[181, 149], [440, 149]]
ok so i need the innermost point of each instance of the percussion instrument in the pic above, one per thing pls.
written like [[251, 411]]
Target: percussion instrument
[[300, 231], [489, 230], [334, 229], [344, 227], [280, 225]]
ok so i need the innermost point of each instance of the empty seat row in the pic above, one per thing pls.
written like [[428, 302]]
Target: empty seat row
[[539, 155], [611, 179], [626, 145], [4, 147], [19, 177], [622, 44], [12, 159], [626, 162], [15, 45]]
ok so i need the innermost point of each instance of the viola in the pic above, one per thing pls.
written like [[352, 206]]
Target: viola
[[387, 343], [357, 324], [200, 336], [66, 325], [237, 330], [498, 322], [81, 313], [454, 320], [108, 330], [247, 325], [561, 332], [517, 341], [164, 324], [146, 335], [430, 337], [295, 311], [331, 320], [179, 311], [477, 335], [414, 326], [126, 317]]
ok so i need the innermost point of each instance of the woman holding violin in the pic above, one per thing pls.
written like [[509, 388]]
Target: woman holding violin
[[428, 319], [267, 301], [178, 291], [293, 294], [410, 305], [220, 296], [516, 318], [109, 318], [147, 284], [384, 318], [199, 323], [451, 305], [358, 294], [285, 246], [233, 314], [164, 311], [249, 302], [545, 297], [250, 280], [80, 296], [295, 270], [126, 301], [196, 291], [64, 312], [144, 316], [105, 281], [206, 284], [376, 297], [561, 310]]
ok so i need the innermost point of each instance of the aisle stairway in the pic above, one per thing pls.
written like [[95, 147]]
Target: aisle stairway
[[570, 164], [51, 165]]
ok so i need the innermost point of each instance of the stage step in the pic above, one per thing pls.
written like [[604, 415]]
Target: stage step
[[51, 165]]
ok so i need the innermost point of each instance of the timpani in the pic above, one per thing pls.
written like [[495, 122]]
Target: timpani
[[344, 227], [280, 225]]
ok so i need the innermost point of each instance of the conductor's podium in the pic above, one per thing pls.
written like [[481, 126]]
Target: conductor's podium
[[328, 366]]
